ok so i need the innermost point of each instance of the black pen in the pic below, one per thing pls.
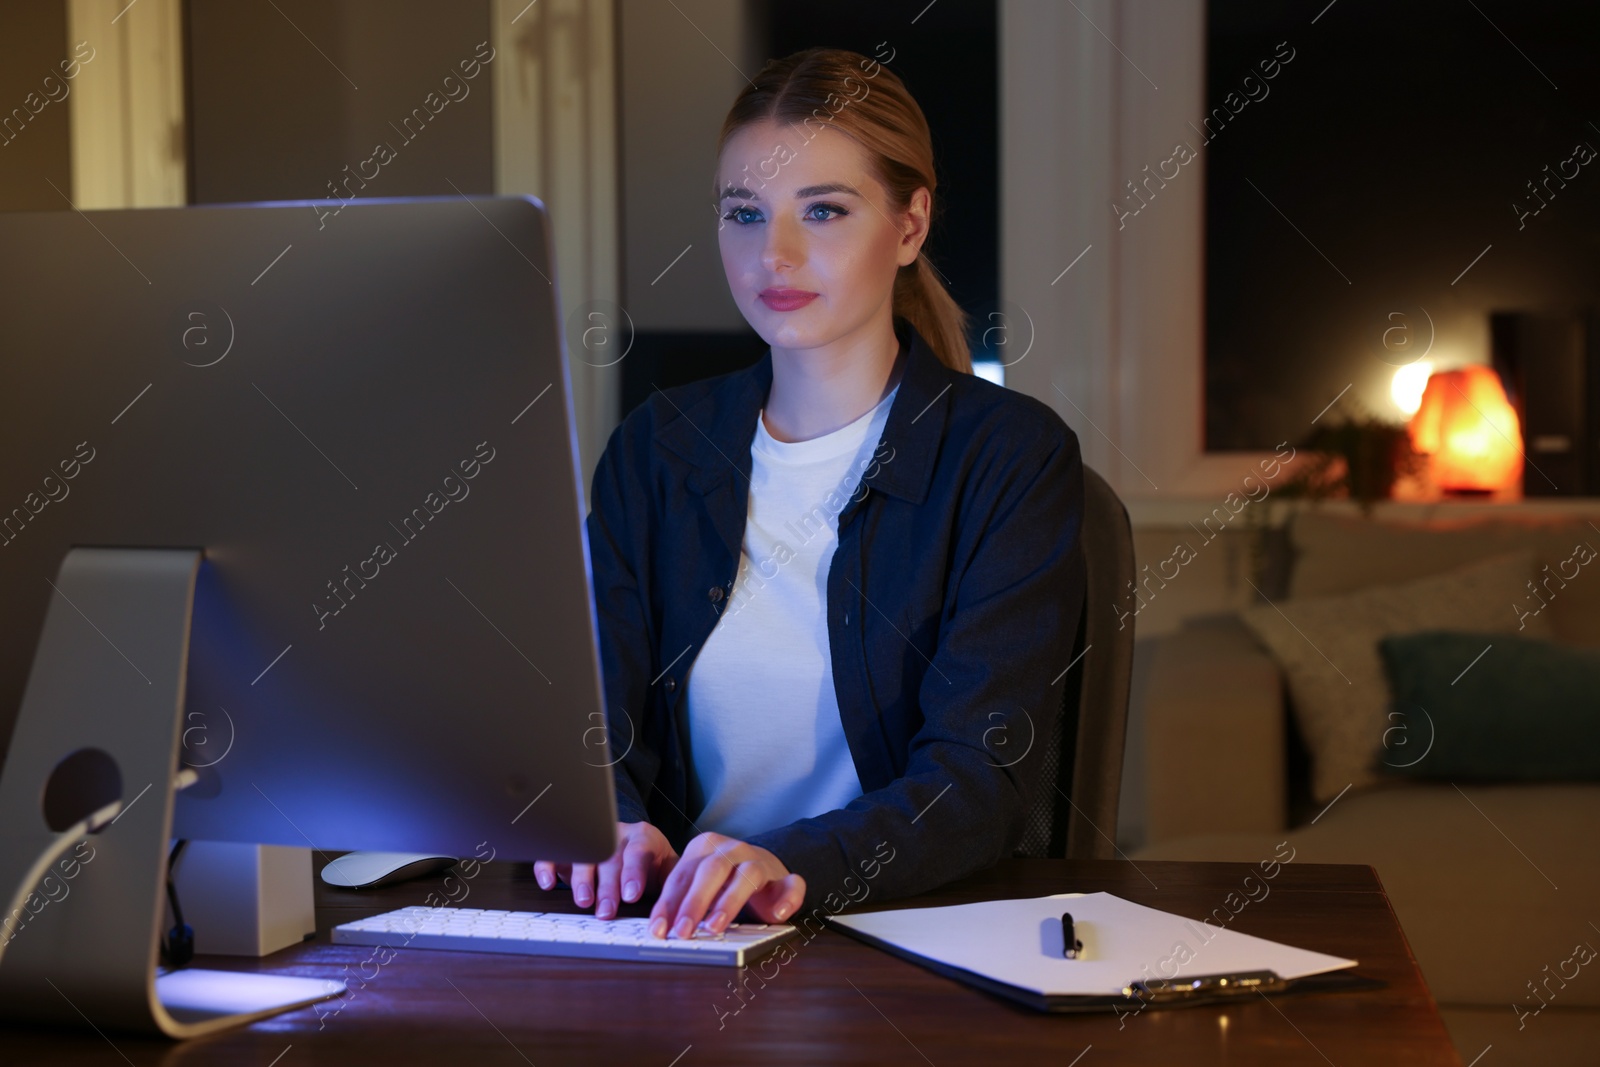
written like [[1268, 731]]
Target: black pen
[[1070, 945]]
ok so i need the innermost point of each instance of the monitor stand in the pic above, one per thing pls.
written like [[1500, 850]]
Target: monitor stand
[[107, 690]]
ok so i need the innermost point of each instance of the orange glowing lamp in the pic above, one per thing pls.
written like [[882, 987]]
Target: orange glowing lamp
[[1469, 431]]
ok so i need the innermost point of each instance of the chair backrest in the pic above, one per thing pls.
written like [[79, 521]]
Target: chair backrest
[[1074, 813]]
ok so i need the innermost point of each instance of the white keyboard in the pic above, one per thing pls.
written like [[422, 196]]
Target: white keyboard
[[547, 933]]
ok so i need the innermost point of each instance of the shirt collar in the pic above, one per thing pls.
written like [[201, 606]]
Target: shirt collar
[[715, 431]]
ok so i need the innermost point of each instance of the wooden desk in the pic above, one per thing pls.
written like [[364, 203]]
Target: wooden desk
[[836, 1002]]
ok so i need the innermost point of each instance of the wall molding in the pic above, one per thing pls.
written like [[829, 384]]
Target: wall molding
[[555, 137], [126, 107]]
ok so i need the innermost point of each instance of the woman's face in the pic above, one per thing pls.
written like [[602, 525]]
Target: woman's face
[[809, 241]]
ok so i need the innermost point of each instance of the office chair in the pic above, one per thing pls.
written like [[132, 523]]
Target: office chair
[[1074, 812]]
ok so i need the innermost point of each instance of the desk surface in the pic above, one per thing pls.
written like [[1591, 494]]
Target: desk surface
[[837, 1001]]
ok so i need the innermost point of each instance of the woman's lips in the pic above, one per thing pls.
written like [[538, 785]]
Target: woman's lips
[[786, 299]]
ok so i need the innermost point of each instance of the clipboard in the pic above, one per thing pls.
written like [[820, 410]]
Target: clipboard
[[1007, 948]]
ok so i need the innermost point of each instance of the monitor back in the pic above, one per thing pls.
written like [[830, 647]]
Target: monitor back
[[364, 420]]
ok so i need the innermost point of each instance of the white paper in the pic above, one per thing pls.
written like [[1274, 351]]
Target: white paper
[[1019, 942]]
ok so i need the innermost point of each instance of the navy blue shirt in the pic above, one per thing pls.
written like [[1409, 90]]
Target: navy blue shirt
[[953, 600]]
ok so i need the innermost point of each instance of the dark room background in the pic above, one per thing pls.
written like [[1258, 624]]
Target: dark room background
[[1383, 171]]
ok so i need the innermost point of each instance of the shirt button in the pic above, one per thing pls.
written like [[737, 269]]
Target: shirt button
[[715, 593], [672, 683]]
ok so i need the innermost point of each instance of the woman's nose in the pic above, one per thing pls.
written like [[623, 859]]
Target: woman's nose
[[784, 246]]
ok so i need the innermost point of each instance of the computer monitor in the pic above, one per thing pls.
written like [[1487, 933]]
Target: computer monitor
[[360, 424]]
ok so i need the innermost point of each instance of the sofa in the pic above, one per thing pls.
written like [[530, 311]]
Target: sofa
[[1496, 884]]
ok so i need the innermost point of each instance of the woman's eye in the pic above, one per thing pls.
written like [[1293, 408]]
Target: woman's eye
[[833, 209], [740, 214]]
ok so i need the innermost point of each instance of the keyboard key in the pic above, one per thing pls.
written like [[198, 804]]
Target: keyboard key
[[558, 934]]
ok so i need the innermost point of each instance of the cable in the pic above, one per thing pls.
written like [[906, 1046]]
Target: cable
[[179, 943], [182, 936], [52, 852]]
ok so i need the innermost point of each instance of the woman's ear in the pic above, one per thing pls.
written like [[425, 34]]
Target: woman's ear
[[914, 226]]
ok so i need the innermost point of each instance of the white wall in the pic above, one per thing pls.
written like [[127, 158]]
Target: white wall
[[1118, 340]]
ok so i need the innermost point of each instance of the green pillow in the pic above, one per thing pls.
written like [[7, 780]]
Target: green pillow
[[1524, 710]]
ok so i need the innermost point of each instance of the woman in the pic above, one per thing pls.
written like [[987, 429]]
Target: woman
[[833, 589]]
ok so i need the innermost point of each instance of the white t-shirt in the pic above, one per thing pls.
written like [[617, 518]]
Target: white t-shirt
[[766, 741]]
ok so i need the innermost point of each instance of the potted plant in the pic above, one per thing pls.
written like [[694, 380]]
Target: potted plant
[[1359, 458]]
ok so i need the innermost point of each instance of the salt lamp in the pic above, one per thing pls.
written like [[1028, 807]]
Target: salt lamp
[[1469, 431]]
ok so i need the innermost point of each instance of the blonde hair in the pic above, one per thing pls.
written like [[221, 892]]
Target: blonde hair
[[861, 98]]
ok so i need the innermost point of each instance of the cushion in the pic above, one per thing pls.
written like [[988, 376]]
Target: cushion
[[1341, 553], [1328, 649], [1491, 707]]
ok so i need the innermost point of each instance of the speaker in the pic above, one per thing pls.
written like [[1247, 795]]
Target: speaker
[[1550, 365]]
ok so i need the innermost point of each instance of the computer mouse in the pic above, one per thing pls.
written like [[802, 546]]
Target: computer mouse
[[369, 870]]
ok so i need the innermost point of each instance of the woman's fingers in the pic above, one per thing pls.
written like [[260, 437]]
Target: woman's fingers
[[711, 874], [547, 873], [780, 900], [606, 875], [741, 885], [642, 858], [714, 878], [582, 880], [772, 901], [639, 864], [664, 914], [708, 867], [610, 877]]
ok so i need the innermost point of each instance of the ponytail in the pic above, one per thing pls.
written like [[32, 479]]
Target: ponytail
[[922, 300]]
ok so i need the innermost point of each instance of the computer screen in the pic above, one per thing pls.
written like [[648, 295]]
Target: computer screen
[[363, 420]]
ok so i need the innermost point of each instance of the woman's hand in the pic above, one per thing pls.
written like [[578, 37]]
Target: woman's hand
[[718, 875], [641, 863]]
